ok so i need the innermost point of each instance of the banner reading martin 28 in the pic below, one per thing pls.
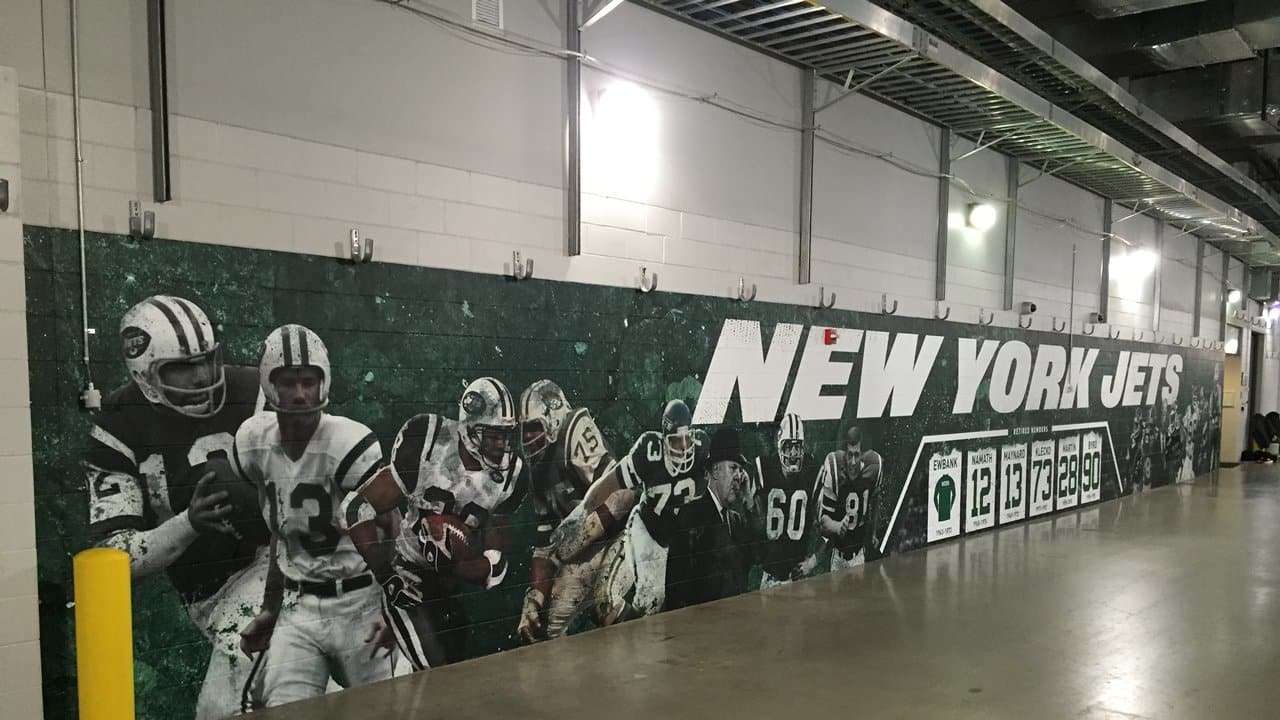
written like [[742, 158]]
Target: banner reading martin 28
[[327, 474]]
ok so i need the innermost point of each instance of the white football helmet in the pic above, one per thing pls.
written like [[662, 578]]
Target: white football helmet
[[173, 357], [543, 411], [487, 421], [791, 443], [293, 346]]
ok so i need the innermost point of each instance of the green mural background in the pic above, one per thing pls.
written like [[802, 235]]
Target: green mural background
[[406, 340]]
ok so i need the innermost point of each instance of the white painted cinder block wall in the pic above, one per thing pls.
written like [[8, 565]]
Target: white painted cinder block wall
[[19, 628], [296, 120]]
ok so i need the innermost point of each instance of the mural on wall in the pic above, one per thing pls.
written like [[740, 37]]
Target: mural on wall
[[328, 474]]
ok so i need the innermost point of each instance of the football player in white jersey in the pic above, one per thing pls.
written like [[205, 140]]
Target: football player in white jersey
[[566, 453], [150, 460], [463, 474], [321, 614]]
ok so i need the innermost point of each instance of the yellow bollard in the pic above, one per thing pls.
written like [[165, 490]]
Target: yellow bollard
[[104, 634]]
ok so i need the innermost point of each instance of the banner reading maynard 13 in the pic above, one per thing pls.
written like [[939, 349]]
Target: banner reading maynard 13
[[532, 459]]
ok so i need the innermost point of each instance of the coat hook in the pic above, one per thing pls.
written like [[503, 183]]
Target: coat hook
[[1195, 342], [521, 271], [884, 305], [1057, 328], [742, 290], [648, 283], [360, 248], [1113, 333], [1179, 340], [4, 195], [142, 225], [1158, 338], [824, 302], [990, 319], [940, 315], [1030, 319], [1089, 328]]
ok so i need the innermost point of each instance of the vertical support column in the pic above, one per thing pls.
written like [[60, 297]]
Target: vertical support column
[[1199, 301], [1226, 288], [573, 130], [1104, 291], [1156, 287], [159, 74], [944, 208], [808, 120], [1011, 171]]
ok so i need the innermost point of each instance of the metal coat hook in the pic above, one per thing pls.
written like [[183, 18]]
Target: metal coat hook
[[884, 305], [648, 283], [1136, 334], [360, 248], [1057, 328], [940, 316], [1195, 342], [989, 320], [1113, 335], [1089, 328], [742, 290], [1030, 319], [1217, 345], [142, 225], [521, 271], [1178, 340], [823, 301], [4, 195]]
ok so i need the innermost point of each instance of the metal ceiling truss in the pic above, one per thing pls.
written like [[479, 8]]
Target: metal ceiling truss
[[855, 42]]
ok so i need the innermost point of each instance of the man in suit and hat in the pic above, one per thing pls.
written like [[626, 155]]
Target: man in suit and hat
[[719, 532]]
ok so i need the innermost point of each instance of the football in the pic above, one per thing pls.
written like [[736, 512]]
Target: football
[[242, 496], [461, 554]]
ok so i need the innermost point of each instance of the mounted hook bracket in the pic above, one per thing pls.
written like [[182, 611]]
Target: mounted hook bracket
[[1030, 319], [1089, 328], [1195, 342], [824, 302], [1137, 335], [4, 194], [1113, 333], [884, 305], [1179, 340], [1059, 328], [520, 270], [359, 248], [937, 305], [648, 283], [989, 319], [742, 290], [142, 225]]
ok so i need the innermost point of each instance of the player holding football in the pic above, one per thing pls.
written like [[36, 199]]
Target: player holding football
[[850, 481], [566, 453], [152, 489], [459, 478], [321, 608], [789, 495]]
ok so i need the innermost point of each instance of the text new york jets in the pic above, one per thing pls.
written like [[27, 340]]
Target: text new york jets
[[896, 368]]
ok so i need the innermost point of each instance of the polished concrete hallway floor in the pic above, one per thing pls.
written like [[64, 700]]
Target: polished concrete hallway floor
[[1162, 605]]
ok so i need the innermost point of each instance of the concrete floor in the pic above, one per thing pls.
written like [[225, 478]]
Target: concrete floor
[[1164, 605]]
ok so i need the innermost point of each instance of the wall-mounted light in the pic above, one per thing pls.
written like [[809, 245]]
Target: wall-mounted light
[[620, 143], [1234, 296], [980, 216]]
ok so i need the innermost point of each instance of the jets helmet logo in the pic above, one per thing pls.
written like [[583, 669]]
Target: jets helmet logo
[[136, 341], [473, 403]]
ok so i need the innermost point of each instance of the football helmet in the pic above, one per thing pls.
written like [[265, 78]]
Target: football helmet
[[677, 429], [543, 411], [173, 356], [293, 346], [791, 443], [487, 421]]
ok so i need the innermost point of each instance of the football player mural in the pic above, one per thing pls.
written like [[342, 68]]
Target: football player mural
[[321, 606], [292, 533], [153, 491], [460, 478], [566, 453]]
